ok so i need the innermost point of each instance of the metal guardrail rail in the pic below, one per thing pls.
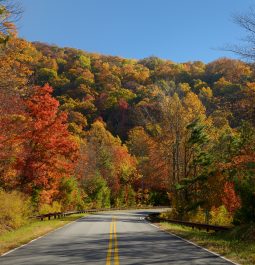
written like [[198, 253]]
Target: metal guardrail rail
[[200, 226], [153, 217], [56, 215]]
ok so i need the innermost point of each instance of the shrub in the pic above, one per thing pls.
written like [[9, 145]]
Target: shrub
[[15, 208], [220, 216], [170, 214], [197, 216], [50, 208]]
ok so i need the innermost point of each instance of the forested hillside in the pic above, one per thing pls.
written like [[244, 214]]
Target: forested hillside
[[87, 130]]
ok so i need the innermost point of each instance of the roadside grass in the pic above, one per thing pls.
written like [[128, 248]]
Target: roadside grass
[[233, 245], [32, 230]]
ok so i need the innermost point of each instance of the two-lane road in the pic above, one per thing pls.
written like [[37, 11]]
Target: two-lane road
[[111, 238]]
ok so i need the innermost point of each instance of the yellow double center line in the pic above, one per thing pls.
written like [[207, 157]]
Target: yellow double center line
[[113, 244]]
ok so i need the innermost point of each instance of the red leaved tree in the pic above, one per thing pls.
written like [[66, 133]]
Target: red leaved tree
[[13, 128], [49, 151], [230, 199]]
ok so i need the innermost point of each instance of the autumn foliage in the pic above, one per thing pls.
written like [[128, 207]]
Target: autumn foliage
[[35, 140], [230, 199], [49, 152], [87, 130]]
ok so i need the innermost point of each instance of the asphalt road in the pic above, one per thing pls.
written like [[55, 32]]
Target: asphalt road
[[110, 238]]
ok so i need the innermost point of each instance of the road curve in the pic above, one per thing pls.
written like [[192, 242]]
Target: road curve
[[111, 238]]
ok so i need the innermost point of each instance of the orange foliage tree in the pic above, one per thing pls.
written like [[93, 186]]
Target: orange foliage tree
[[49, 150], [230, 199]]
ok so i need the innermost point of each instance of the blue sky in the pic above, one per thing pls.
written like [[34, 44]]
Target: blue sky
[[179, 30]]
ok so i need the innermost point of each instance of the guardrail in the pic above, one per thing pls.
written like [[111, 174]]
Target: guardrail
[[56, 215], [200, 226]]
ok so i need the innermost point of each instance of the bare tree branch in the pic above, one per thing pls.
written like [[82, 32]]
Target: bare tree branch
[[10, 13], [247, 22]]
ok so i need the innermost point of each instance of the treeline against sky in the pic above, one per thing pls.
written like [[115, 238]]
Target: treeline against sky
[[86, 130]]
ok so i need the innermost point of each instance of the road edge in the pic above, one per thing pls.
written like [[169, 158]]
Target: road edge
[[37, 238], [190, 242]]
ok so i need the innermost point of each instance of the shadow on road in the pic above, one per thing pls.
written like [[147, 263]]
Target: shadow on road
[[138, 243]]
